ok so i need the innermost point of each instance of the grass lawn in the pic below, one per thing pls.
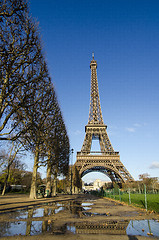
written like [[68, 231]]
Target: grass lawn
[[139, 200]]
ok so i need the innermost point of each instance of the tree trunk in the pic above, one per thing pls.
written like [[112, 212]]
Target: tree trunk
[[34, 176], [29, 222], [6, 180], [48, 180], [139, 188], [54, 189]]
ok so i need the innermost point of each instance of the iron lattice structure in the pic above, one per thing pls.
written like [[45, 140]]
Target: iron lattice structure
[[107, 160]]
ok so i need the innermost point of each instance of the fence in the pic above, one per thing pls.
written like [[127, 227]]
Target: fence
[[149, 201]]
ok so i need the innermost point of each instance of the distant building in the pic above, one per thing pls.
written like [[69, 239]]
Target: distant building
[[18, 187], [96, 185]]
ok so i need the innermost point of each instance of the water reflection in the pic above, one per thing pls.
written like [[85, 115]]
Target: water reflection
[[134, 227], [91, 214], [59, 209], [86, 204], [38, 227], [143, 228], [106, 227], [39, 212], [12, 228]]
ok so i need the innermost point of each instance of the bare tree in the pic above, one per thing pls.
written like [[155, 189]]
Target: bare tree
[[8, 160], [57, 145], [20, 56], [44, 123], [37, 133]]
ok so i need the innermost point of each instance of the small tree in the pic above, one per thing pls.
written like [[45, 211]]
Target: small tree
[[77, 181], [148, 181], [8, 161]]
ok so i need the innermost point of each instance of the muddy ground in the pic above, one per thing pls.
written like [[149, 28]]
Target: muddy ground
[[103, 211]]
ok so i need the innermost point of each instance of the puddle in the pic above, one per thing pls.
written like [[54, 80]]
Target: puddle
[[71, 229], [130, 228], [59, 204], [12, 229], [23, 215], [108, 227], [86, 204], [20, 214], [143, 228], [59, 209], [20, 228], [38, 220], [91, 214], [39, 212], [86, 208]]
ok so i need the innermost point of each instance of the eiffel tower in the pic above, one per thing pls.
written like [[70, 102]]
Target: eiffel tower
[[106, 161]]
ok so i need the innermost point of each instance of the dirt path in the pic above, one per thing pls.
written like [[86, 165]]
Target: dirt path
[[12, 202], [88, 223]]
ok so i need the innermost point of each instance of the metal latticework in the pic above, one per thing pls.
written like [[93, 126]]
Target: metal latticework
[[107, 161], [95, 113], [111, 227]]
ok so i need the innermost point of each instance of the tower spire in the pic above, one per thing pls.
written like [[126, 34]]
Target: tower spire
[[95, 113]]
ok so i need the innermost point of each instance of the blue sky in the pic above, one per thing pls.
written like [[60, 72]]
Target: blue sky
[[124, 36]]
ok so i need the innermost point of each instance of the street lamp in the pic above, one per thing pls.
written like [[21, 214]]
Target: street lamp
[[71, 169]]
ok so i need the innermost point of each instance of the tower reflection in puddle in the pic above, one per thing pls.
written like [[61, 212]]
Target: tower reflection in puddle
[[133, 227]]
